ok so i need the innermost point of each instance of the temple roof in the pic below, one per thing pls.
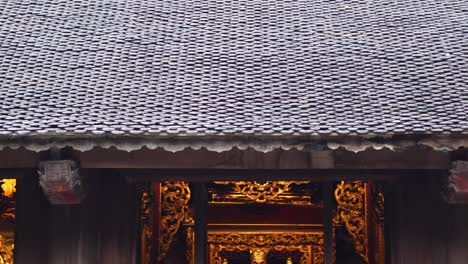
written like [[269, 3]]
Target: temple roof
[[243, 68]]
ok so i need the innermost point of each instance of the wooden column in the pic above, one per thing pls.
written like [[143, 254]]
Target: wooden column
[[32, 223], [201, 232], [327, 192]]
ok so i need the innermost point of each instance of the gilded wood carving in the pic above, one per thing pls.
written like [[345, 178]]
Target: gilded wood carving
[[309, 244], [262, 192], [7, 220], [351, 199], [147, 227], [174, 211]]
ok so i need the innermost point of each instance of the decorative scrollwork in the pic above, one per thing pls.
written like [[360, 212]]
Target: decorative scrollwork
[[190, 241], [147, 228], [262, 192], [351, 199], [306, 243], [7, 244], [7, 220], [378, 222], [174, 211]]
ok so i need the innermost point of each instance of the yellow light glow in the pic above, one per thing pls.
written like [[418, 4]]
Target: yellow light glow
[[8, 187]]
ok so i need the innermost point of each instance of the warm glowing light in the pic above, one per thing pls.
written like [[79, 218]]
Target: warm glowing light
[[8, 187]]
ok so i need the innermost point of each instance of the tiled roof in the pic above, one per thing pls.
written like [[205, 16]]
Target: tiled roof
[[233, 67]]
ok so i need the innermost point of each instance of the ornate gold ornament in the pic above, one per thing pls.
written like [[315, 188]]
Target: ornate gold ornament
[[7, 219], [7, 245], [190, 243], [351, 199], [378, 227], [147, 228], [262, 192], [174, 211], [289, 261], [8, 187], [258, 255], [307, 244]]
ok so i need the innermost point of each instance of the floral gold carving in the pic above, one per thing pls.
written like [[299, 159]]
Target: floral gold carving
[[7, 220], [351, 200], [262, 192], [7, 245], [190, 242], [309, 244], [174, 211]]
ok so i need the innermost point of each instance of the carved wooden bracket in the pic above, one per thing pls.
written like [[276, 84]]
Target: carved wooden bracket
[[457, 187], [60, 181], [351, 200], [175, 211]]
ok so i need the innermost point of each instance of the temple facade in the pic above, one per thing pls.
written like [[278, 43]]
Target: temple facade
[[233, 132]]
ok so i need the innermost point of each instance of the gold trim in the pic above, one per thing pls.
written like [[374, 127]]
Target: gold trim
[[147, 209], [305, 242], [379, 222], [8, 220], [352, 207], [263, 192], [174, 211], [190, 243], [7, 245]]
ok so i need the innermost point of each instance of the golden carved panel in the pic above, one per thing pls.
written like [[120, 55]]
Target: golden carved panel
[[352, 211], [174, 211], [7, 220], [309, 244], [264, 192]]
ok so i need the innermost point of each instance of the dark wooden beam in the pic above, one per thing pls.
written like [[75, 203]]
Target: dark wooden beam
[[200, 197], [16, 173], [420, 158], [327, 195], [206, 175]]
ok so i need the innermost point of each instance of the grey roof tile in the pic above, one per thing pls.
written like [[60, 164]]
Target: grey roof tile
[[219, 67]]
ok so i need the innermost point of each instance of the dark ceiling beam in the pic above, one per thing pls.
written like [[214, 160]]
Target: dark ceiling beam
[[205, 175]]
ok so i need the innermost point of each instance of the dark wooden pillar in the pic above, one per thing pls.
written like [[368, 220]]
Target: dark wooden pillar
[[201, 233], [327, 192], [32, 222]]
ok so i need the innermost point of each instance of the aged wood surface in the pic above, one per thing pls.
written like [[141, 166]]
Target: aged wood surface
[[204, 175], [101, 230], [424, 229], [200, 196], [32, 223], [249, 159]]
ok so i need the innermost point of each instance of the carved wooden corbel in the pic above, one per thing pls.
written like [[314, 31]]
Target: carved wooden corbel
[[174, 212], [60, 181], [352, 211]]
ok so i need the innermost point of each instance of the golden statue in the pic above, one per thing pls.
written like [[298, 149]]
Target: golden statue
[[289, 261]]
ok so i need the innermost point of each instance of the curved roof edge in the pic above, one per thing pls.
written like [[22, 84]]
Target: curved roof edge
[[221, 144]]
